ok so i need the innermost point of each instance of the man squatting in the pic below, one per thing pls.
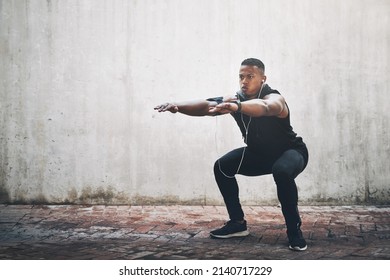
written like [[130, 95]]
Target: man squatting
[[272, 147]]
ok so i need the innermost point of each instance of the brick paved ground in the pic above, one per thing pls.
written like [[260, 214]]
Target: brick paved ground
[[182, 232]]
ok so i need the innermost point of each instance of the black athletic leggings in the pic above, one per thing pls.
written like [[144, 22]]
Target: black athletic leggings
[[284, 170]]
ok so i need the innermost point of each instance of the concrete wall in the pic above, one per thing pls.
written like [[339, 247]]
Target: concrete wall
[[79, 80]]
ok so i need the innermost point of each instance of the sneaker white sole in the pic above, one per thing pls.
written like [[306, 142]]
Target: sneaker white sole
[[296, 248], [236, 234]]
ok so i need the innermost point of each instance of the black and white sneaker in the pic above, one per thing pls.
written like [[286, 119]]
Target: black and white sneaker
[[296, 241], [231, 229]]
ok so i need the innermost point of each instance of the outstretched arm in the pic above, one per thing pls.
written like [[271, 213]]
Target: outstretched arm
[[193, 107], [270, 105]]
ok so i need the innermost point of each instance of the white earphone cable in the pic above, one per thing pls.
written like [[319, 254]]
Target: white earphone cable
[[246, 127]]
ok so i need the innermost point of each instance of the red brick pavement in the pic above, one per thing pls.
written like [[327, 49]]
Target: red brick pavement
[[182, 232]]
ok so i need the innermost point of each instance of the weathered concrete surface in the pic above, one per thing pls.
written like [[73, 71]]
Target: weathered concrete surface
[[79, 80], [182, 232]]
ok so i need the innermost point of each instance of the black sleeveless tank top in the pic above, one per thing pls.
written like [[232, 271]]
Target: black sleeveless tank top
[[269, 136]]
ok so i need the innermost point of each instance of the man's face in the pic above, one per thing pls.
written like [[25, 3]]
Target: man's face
[[251, 78]]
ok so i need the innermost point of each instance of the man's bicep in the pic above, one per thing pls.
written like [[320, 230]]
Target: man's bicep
[[276, 104]]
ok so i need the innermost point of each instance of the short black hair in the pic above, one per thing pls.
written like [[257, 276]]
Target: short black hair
[[254, 62]]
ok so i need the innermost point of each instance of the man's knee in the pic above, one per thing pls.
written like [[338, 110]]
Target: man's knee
[[281, 171], [288, 167], [216, 166], [223, 167]]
